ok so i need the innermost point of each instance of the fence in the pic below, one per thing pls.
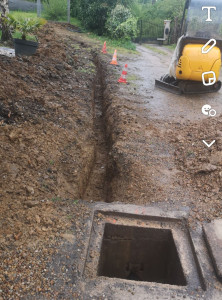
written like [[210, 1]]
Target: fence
[[22, 5], [150, 31]]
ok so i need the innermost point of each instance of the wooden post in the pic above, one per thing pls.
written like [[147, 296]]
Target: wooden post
[[68, 11], [39, 8], [141, 30]]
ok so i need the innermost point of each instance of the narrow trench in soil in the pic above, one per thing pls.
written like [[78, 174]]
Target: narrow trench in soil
[[98, 184]]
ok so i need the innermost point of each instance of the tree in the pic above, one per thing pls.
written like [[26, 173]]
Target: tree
[[6, 32]]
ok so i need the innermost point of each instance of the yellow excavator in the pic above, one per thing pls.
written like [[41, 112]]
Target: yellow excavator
[[192, 63]]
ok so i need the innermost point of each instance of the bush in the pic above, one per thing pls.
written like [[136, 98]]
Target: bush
[[94, 14], [95, 18], [121, 24], [55, 9], [126, 30]]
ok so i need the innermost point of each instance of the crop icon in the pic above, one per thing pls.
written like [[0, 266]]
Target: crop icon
[[209, 78]]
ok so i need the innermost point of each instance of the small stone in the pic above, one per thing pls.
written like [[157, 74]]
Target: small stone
[[30, 190], [38, 220], [206, 168], [31, 204], [69, 237], [68, 67], [13, 135], [41, 159]]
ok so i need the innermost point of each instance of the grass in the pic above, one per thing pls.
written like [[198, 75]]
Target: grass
[[17, 14], [132, 77], [154, 49], [171, 47], [115, 44]]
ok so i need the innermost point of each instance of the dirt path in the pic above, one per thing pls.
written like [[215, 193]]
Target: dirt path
[[177, 161], [150, 65]]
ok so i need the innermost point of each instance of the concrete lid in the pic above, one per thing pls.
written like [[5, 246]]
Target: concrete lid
[[213, 237]]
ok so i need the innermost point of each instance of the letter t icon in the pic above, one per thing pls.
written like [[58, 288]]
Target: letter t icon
[[209, 11]]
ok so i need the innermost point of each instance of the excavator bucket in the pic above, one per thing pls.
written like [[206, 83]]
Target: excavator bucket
[[168, 87]]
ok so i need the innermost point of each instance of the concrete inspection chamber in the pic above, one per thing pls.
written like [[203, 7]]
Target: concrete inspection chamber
[[138, 252]]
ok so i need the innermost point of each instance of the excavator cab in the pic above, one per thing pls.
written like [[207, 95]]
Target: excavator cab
[[191, 69]]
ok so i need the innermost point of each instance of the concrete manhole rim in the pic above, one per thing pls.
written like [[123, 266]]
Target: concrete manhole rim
[[118, 212]]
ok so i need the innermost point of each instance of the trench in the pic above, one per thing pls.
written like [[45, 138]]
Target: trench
[[98, 183]]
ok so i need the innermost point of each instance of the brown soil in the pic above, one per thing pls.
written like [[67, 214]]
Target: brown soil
[[71, 136], [47, 152]]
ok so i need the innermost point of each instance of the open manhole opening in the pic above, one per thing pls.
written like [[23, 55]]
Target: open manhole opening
[[142, 254]]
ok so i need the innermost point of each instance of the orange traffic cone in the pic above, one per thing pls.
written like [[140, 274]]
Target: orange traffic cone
[[123, 75], [104, 48], [114, 60]]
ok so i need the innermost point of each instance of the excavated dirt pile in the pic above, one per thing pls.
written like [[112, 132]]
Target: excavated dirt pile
[[46, 154]]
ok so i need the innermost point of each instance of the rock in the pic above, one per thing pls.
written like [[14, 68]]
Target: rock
[[13, 135], [41, 159], [30, 190], [68, 67], [180, 139], [31, 204], [69, 237], [206, 168], [38, 220]]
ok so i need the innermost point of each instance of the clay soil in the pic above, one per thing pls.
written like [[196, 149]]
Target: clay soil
[[71, 136]]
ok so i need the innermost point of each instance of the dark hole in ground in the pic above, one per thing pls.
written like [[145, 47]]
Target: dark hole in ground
[[142, 254]]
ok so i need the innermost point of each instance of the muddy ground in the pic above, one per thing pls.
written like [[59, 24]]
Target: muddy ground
[[72, 136]]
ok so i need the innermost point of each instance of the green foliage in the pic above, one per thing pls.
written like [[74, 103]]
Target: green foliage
[[118, 15], [165, 9], [92, 13], [25, 25], [138, 8], [126, 30], [121, 24], [55, 9], [75, 8]]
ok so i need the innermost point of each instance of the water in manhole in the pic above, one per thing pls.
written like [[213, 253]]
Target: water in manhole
[[138, 253]]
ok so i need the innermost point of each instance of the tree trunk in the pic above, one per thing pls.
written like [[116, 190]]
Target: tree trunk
[[6, 33]]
